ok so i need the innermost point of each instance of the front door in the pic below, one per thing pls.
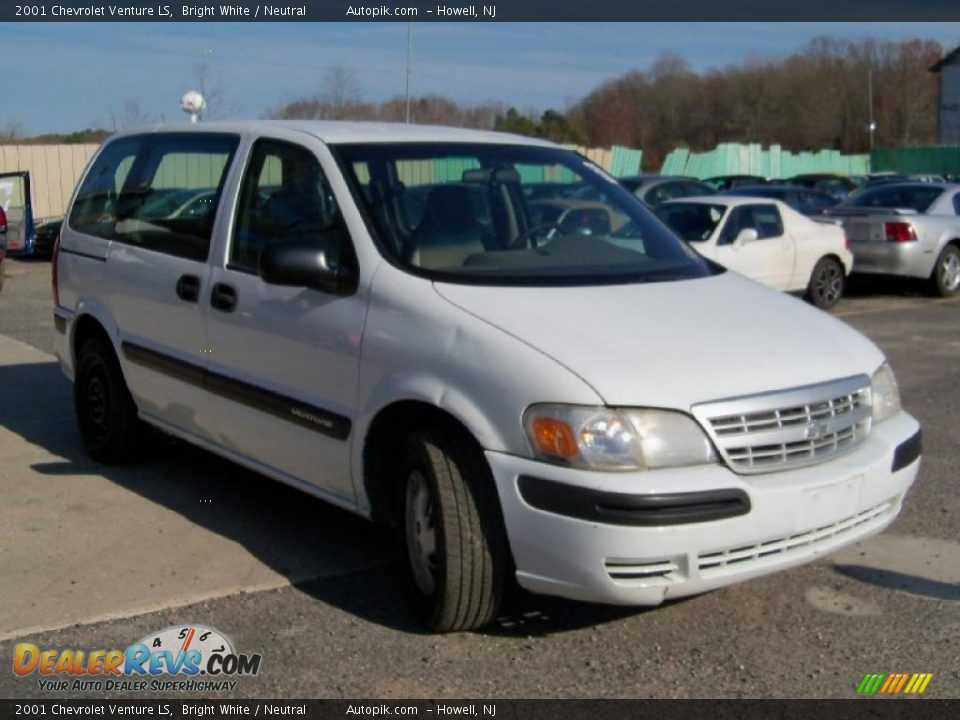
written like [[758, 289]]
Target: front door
[[284, 361], [15, 201], [770, 257]]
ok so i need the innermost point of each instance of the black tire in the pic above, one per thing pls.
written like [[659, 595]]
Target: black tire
[[106, 413], [945, 280], [469, 564], [827, 283]]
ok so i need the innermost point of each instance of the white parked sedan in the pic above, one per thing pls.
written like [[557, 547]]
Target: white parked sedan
[[766, 240]]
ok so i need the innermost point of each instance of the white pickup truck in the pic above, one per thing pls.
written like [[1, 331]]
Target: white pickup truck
[[910, 229]]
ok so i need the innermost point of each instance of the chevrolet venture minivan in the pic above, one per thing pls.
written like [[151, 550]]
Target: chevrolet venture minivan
[[431, 328]]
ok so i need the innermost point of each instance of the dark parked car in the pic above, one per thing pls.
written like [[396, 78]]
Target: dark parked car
[[803, 200], [46, 235], [655, 189], [837, 186], [721, 183]]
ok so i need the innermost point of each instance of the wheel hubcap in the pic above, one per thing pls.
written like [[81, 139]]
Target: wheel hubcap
[[951, 271], [97, 405], [829, 284], [421, 532]]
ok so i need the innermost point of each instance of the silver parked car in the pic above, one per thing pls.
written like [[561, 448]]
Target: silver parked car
[[910, 229]]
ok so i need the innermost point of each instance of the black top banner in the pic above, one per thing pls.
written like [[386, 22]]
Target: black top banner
[[487, 11]]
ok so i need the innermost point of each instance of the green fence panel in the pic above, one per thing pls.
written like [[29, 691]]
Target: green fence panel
[[936, 159], [625, 161], [754, 159]]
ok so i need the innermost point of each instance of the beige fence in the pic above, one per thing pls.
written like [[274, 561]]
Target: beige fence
[[54, 171]]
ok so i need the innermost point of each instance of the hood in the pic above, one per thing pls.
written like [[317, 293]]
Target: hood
[[675, 344]]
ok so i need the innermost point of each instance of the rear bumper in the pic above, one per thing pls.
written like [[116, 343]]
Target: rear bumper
[[570, 549], [909, 259]]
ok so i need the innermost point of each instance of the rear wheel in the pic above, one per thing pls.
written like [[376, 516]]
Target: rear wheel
[[945, 280], [106, 414], [826, 284], [454, 548]]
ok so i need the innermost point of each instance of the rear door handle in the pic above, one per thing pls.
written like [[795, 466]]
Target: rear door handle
[[188, 288], [223, 297]]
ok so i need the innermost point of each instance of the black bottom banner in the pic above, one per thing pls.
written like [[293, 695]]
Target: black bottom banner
[[914, 709]]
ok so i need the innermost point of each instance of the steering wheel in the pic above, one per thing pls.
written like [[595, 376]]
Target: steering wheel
[[528, 238]]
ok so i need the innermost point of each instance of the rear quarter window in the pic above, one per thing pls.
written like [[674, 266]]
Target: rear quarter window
[[158, 192]]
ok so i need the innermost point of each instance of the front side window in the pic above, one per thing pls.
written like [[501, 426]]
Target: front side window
[[694, 222], [285, 198], [765, 219], [513, 214], [158, 192]]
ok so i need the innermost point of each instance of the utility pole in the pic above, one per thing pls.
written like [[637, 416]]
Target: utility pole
[[409, 52], [872, 127]]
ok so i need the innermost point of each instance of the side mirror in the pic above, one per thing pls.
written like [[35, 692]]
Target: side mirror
[[306, 266], [747, 235]]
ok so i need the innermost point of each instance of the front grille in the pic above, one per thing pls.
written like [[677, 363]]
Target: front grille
[[791, 428], [714, 563]]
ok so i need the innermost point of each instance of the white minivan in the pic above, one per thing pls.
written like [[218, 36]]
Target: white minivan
[[430, 327]]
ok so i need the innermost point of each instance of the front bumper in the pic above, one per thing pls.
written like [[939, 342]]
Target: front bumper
[[909, 259], [792, 517]]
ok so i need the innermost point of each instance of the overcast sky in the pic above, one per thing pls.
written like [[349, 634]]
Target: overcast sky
[[62, 76]]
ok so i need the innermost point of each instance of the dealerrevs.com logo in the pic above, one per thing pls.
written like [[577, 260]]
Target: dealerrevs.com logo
[[189, 658]]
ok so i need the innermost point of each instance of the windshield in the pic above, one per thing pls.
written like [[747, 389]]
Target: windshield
[[913, 197], [694, 222], [513, 214]]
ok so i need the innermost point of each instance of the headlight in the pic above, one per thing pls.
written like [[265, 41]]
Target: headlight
[[600, 438], [886, 394]]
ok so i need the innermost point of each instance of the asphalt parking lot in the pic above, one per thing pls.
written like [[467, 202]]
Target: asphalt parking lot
[[97, 557]]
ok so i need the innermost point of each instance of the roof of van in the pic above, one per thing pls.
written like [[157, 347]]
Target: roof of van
[[335, 132]]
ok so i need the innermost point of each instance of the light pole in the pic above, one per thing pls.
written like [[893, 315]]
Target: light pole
[[409, 51], [872, 127]]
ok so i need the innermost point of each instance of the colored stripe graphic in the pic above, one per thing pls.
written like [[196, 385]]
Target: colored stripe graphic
[[894, 683], [870, 683]]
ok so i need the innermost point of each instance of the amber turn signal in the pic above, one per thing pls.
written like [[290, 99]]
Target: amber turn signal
[[554, 437]]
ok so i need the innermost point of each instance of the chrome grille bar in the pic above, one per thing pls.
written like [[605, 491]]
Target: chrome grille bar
[[789, 428]]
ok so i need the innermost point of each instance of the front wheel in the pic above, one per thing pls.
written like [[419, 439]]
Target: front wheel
[[826, 284], [453, 542], [945, 280]]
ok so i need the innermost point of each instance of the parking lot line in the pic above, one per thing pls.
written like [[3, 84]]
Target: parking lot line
[[86, 542]]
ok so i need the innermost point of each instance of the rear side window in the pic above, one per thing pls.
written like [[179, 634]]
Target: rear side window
[[158, 192], [913, 197]]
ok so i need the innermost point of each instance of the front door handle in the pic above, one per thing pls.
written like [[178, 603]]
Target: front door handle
[[223, 297], [188, 288]]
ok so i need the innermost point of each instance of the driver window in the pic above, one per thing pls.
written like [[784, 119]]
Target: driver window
[[765, 219], [284, 198]]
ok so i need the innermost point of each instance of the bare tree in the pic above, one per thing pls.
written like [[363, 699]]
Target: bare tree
[[11, 132], [340, 91], [131, 114], [213, 88]]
